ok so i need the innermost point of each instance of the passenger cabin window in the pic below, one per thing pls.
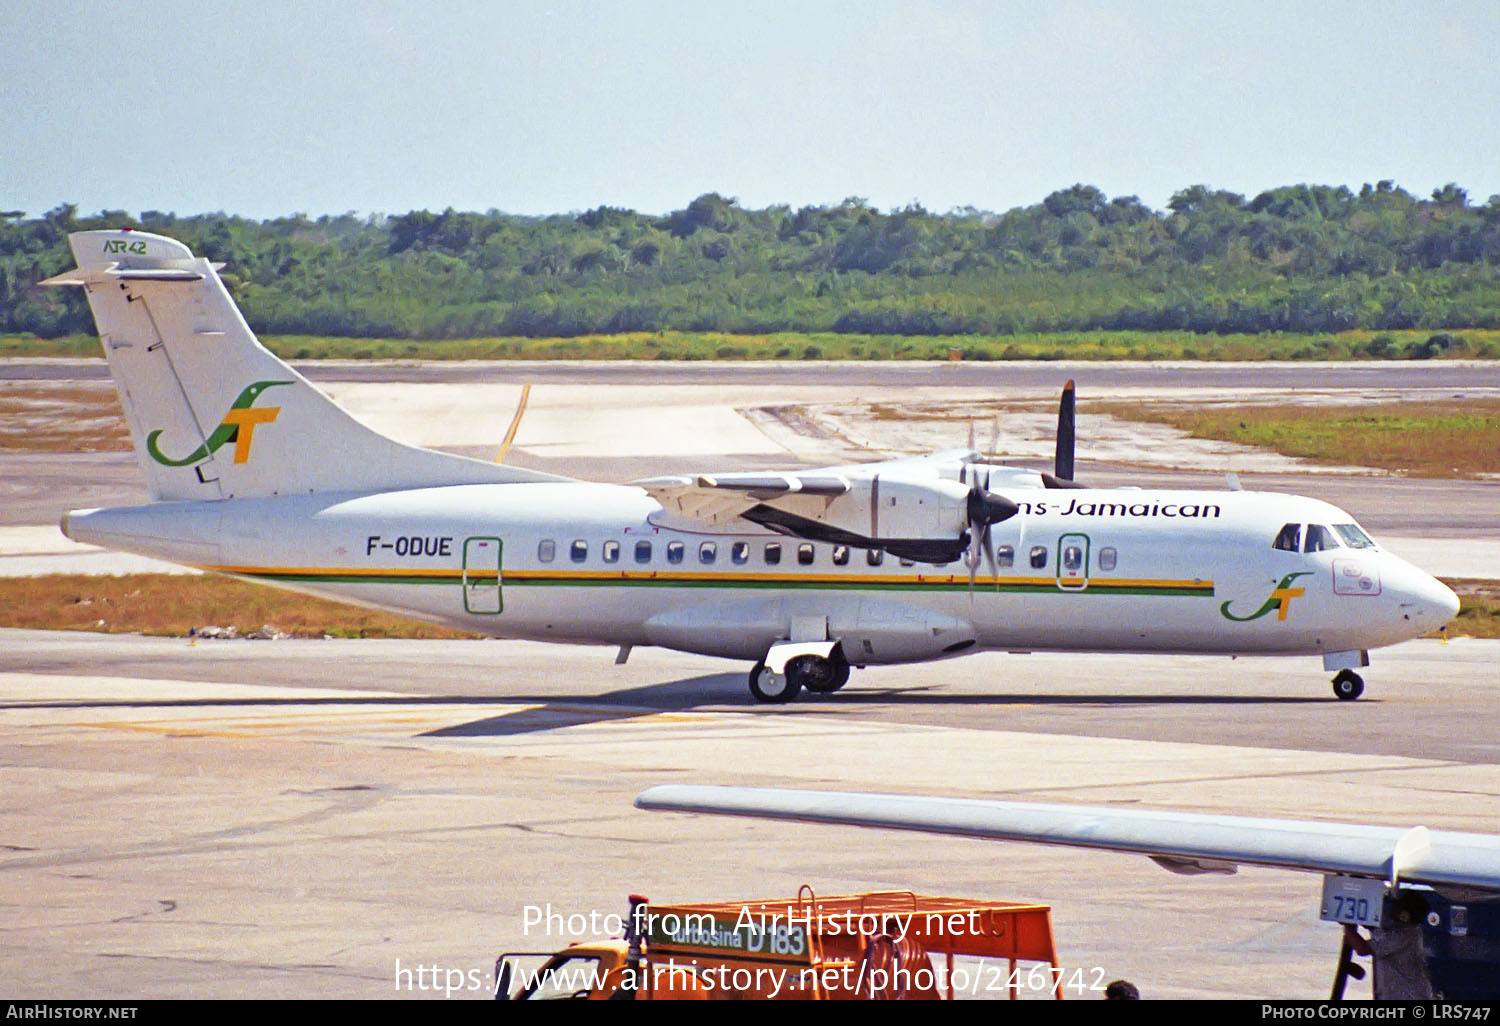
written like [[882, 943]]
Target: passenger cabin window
[[874, 557], [708, 552], [1353, 536], [643, 551], [1107, 558], [1039, 557], [1289, 538], [1005, 555], [739, 553], [1072, 557], [546, 550], [841, 555], [908, 562], [773, 553], [675, 552], [805, 554], [579, 551], [610, 550], [1319, 538]]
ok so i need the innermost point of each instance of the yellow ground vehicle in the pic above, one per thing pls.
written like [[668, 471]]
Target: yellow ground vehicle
[[887, 945]]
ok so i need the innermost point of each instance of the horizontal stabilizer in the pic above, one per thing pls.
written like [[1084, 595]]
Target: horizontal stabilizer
[[112, 272]]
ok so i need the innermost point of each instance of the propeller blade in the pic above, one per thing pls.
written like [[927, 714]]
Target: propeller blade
[[989, 555], [515, 422], [985, 508], [973, 559], [1063, 464]]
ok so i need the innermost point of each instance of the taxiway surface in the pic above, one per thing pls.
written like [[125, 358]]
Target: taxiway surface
[[288, 819], [275, 819]]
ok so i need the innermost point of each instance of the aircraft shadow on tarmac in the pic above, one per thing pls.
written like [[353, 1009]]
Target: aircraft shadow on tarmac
[[716, 691], [723, 692]]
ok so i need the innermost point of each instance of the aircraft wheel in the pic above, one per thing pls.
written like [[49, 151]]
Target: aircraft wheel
[[767, 686], [1348, 685], [826, 678], [814, 673]]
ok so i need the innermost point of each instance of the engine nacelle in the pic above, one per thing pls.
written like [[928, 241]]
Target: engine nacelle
[[923, 520], [886, 507]]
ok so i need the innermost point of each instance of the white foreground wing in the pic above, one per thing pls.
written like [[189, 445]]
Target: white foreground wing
[[1178, 840]]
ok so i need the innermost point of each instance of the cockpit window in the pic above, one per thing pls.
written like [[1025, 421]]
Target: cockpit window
[[1319, 538], [1353, 536], [1289, 538]]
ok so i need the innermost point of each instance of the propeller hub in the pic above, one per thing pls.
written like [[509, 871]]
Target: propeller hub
[[987, 508]]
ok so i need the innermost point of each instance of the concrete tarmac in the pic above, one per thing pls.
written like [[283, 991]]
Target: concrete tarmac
[[305, 819]]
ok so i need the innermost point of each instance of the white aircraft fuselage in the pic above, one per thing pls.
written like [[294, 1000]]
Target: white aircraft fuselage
[[1192, 572], [257, 474]]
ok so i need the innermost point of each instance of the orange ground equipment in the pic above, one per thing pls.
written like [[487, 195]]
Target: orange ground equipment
[[878, 946]]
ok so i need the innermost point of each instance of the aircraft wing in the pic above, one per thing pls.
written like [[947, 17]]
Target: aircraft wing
[[1179, 841], [714, 498], [921, 508], [718, 498]]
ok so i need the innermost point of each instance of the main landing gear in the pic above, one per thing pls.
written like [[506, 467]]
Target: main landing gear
[[822, 675], [1348, 685]]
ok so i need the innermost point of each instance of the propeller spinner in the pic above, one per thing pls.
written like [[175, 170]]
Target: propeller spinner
[[984, 509]]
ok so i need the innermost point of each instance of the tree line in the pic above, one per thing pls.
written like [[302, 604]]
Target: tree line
[[1300, 258]]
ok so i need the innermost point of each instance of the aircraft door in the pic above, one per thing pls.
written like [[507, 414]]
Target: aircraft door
[[482, 575], [1073, 562]]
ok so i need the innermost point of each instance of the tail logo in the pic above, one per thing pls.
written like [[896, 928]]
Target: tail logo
[[238, 426], [1280, 600]]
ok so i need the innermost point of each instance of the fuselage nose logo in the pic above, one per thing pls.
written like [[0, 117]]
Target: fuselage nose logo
[[1280, 600], [238, 426]]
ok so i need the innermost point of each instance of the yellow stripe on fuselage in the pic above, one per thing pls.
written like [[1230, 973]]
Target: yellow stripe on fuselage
[[585, 577]]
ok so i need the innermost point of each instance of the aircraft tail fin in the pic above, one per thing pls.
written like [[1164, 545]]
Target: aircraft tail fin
[[212, 412]]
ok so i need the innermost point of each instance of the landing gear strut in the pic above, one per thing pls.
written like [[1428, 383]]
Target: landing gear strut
[[1348, 685]]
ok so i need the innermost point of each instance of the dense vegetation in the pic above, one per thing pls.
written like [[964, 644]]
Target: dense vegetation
[[1295, 259]]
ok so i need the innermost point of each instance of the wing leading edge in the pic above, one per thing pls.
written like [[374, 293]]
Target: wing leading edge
[[1181, 841]]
